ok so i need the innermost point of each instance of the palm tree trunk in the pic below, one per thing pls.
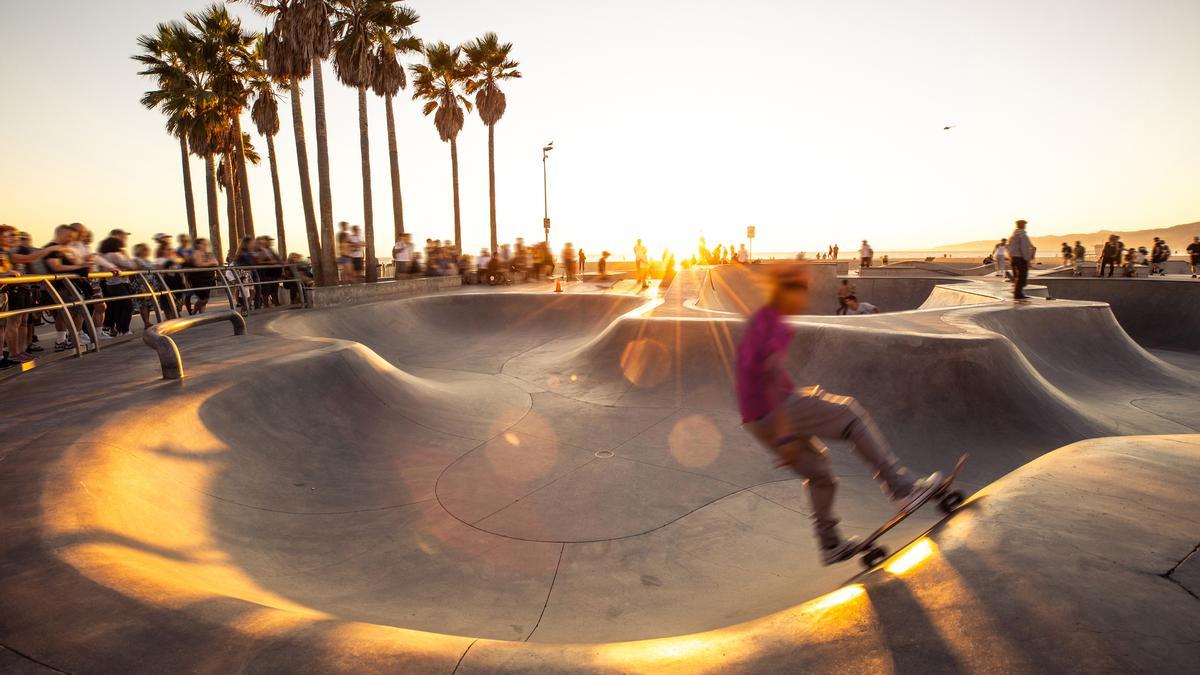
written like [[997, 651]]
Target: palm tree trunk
[[328, 260], [457, 216], [279, 233], [188, 199], [214, 217], [492, 178], [364, 144], [306, 195], [397, 200], [247, 214], [231, 206]]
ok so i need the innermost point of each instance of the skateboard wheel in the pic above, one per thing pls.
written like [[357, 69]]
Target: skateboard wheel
[[951, 501], [873, 557]]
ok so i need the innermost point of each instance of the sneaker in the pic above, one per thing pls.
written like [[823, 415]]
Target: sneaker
[[105, 335], [63, 346], [919, 492], [34, 348], [840, 552], [6, 363]]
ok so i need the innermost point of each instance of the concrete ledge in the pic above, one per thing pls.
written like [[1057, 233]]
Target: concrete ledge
[[349, 294]]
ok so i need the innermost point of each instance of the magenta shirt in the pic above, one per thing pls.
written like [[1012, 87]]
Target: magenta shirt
[[762, 382]]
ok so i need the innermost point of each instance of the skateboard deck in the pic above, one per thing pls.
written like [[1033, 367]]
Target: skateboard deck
[[948, 500]]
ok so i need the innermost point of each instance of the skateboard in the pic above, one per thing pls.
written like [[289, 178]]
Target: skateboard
[[948, 500]]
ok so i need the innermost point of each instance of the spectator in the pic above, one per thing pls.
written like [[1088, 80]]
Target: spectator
[[202, 279], [358, 254], [568, 260], [1000, 259], [120, 308], [345, 262], [270, 276], [1078, 254], [13, 297], [1110, 255], [64, 258], [642, 265], [146, 283], [1067, 254], [301, 269], [1193, 251], [602, 266], [247, 256], [866, 253], [743, 256], [1022, 251], [167, 258], [184, 252], [402, 257], [582, 263]]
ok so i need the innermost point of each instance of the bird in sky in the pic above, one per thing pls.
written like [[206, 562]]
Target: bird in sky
[[948, 128]]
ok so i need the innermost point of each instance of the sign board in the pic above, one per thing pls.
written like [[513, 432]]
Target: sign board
[[749, 231], [546, 223]]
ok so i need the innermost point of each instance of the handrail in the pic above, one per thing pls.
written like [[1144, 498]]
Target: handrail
[[158, 338]]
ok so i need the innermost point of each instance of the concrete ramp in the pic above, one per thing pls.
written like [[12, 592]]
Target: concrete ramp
[[492, 481]]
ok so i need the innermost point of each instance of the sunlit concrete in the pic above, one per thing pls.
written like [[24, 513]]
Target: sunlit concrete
[[515, 479]]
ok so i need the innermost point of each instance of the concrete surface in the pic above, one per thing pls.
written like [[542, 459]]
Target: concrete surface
[[510, 479]]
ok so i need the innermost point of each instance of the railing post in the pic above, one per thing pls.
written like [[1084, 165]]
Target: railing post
[[87, 315], [66, 312]]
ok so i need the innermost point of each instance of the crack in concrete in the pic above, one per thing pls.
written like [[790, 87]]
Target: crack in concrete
[[549, 592], [30, 659]]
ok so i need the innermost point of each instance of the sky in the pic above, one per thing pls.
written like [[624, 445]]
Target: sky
[[816, 122]]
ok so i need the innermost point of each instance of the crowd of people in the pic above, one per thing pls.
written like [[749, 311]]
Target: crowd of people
[[1113, 255], [507, 264], [187, 275]]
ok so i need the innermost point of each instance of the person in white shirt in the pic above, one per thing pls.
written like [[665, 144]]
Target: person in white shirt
[[643, 264], [1022, 251], [854, 306], [743, 256], [402, 256], [1000, 256], [865, 254], [357, 255]]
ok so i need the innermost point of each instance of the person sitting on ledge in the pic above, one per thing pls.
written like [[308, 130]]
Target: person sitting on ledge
[[791, 422]]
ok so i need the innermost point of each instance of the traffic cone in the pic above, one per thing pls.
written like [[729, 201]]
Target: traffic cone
[[558, 285]]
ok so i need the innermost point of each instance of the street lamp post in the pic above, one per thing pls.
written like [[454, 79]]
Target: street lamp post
[[545, 191]]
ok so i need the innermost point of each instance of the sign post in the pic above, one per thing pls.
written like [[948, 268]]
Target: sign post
[[750, 236]]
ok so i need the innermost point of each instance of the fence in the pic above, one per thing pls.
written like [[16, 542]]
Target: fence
[[62, 293]]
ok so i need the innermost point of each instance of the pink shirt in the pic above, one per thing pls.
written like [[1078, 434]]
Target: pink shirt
[[762, 382]]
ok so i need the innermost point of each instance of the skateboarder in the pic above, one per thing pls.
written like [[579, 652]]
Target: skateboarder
[[790, 421]]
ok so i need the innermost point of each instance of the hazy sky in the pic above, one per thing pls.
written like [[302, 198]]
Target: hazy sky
[[814, 121]]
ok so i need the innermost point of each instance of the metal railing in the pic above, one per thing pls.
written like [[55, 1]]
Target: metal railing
[[160, 286], [158, 338]]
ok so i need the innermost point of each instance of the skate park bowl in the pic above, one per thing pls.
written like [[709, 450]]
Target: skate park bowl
[[483, 481]]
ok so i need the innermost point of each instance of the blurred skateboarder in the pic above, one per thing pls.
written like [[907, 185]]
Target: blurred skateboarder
[[791, 422]]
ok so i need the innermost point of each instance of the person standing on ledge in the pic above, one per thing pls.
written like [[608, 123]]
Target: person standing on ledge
[[866, 253], [791, 422], [642, 262], [1020, 252], [1193, 251]]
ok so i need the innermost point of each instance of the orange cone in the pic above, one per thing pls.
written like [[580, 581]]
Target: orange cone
[[558, 285]]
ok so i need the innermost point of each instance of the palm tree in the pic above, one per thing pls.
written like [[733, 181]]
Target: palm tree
[[440, 81], [489, 63], [265, 114], [357, 24], [388, 81], [291, 45], [163, 54], [228, 54]]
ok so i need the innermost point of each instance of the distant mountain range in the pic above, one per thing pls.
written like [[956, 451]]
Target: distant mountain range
[[1178, 236]]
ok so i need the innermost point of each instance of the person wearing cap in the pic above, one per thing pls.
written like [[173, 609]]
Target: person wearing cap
[[791, 422]]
